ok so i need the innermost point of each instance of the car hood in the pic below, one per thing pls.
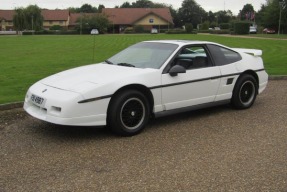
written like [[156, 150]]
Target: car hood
[[82, 78]]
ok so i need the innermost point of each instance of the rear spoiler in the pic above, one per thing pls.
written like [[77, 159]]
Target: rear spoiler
[[254, 52]]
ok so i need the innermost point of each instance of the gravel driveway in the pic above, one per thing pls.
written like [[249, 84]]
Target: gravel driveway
[[217, 149]]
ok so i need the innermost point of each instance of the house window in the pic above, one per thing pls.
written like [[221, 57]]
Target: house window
[[151, 20], [51, 22], [61, 22]]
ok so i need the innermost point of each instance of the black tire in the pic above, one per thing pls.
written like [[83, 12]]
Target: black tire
[[128, 113], [245, 92]]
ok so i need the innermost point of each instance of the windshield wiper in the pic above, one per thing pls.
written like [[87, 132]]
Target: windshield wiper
[[108, 62], [125, 64]]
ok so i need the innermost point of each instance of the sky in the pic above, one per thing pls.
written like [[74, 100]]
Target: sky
[[207, 5]]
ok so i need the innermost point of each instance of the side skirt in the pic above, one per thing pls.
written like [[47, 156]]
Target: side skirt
[[191, 108]]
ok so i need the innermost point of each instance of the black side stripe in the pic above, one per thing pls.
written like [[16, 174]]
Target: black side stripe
[[95, 99], [168, 85], [198, 80]]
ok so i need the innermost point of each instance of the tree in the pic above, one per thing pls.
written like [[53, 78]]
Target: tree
[[271, 15], [126, 5], [34, 18], [100, 22], [191, 12], [247, 12], [74, 10], [87, 8], [19, 19], [142, 4], [29, 18], [223, 16], [100, 8]]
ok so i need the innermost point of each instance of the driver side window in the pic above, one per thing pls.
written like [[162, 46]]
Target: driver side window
[[193, 57]]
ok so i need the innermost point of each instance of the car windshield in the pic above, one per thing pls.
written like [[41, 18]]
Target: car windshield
[[144, 55]]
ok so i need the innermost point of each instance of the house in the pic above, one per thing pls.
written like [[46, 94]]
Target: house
[[51, 17], [147, 17], [120, 18], [55, 17], [6, 20]]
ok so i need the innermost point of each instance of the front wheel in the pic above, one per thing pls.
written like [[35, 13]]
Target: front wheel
[[128, 113], [245, 92]]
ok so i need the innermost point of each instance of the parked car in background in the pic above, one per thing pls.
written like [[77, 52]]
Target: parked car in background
[[252, 30], [149, 79], [94, 32], [269, 31], [154, 31]]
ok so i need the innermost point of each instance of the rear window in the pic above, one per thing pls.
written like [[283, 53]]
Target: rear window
[[223, 56]]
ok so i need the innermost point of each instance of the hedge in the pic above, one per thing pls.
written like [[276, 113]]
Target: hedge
[[46, 32], [241, 28], [180, 31], [226, 31]]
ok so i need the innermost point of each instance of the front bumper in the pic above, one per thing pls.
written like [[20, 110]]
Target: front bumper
[[62, 107]]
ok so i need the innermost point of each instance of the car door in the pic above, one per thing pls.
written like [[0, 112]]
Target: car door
[[226, 60], [198, 85]]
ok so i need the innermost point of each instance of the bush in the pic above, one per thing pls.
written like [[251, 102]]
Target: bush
[[48, 32], [176, 31], [241, 28], [139, 29], [226, 31], [205, 25], [204, 31], [213, 24], [188, 27], [56, 27], [224, 26], [129, 30], [180, 31], [163, 30]]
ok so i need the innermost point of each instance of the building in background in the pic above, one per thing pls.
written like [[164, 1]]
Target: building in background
[[6, 20], [120, 18], [147, 17]]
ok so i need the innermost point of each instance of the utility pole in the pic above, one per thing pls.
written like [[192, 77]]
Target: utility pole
[[280, 7], [81, 25], [32, 24]]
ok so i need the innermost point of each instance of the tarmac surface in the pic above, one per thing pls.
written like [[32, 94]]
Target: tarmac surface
[[216, 149]]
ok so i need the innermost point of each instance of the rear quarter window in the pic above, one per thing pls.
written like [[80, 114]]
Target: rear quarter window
[[223, 56]]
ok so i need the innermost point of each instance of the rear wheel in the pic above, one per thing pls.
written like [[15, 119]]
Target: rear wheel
[[128, 113], [245, 92]]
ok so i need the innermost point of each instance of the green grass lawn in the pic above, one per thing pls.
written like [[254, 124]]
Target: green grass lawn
[[273, 36], [27, 59]]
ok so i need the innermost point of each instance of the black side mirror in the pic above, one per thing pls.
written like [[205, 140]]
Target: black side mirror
[[176, 69]]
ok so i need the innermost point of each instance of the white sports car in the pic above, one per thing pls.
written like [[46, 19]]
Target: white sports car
[[151, 78]]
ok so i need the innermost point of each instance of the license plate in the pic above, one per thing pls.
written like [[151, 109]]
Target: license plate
[[37, 100]]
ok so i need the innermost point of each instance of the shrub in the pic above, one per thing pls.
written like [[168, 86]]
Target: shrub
[[224, 26], [213, 24], [180, 31], [56, 27], [226, 31], [139, 29], [129, 30], [204, 31], [48, 32], [205, 25], [188, 27], [241, 28], [176, 31]]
